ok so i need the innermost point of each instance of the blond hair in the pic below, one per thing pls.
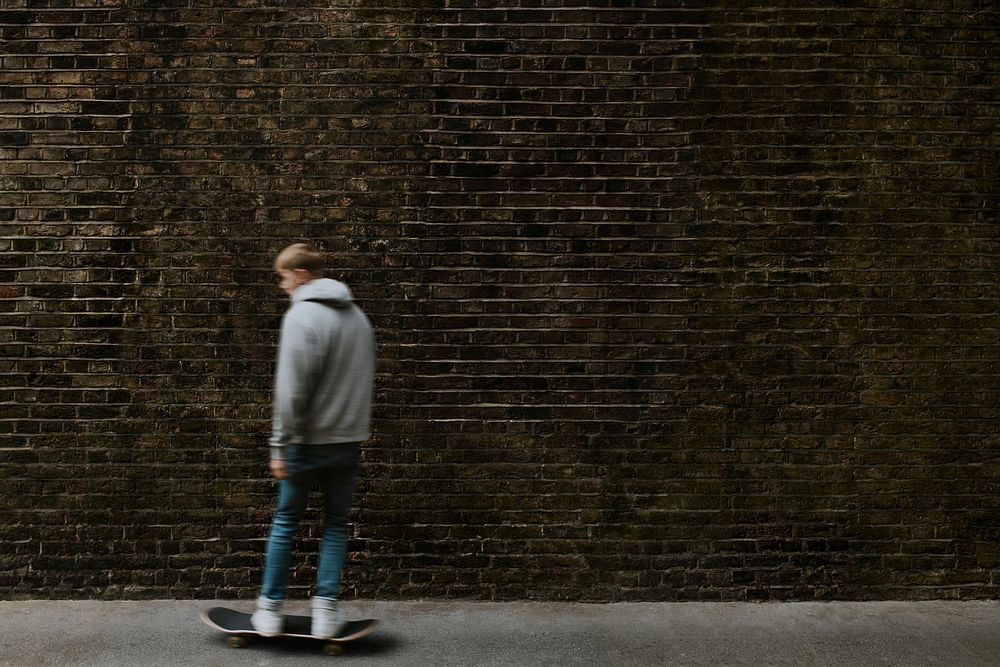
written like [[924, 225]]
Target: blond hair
[[300, 256]]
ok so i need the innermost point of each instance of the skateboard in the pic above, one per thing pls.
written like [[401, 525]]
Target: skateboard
[[237, 625]]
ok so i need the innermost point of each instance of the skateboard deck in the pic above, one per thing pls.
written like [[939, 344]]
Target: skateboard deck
[[237, 625]]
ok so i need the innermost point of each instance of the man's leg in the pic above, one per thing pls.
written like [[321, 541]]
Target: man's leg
[[338, 487], [338, 482], [292, 499]]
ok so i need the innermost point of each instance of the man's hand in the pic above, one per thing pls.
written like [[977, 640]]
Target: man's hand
[[278, 469]]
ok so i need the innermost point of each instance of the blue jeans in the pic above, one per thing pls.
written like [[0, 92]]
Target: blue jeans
[[335, 469]]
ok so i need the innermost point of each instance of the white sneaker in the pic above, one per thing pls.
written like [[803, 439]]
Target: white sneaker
[[267, 620], [326, 618]]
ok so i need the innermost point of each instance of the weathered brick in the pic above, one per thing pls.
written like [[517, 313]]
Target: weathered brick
[[675, 302]]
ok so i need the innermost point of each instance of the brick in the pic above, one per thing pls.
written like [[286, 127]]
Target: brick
[[674, 303]]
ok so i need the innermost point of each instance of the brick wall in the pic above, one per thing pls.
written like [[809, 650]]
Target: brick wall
[[674, 301]]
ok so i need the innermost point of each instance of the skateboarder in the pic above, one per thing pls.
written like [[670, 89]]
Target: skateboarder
[[322, 412]]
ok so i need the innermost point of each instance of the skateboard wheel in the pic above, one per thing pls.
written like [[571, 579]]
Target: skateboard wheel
[[237, 642], [333, 649]]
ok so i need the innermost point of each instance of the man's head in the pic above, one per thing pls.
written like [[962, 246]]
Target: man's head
[[296, 265]]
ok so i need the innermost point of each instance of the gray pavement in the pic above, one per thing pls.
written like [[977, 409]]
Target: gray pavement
[[108, 634]]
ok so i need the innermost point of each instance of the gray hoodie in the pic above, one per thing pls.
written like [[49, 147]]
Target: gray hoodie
[[326, 369]]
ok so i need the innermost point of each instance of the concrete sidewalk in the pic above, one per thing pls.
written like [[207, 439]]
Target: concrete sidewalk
[[463, 633]]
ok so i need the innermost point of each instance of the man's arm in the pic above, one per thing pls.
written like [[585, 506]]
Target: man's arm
[[293, 385]]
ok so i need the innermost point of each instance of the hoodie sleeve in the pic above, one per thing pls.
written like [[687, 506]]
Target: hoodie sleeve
[[298, 358]]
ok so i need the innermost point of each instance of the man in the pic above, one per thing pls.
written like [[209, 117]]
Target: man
[[322, 413]]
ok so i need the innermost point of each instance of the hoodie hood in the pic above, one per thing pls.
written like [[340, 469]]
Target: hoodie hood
[[326, 291]]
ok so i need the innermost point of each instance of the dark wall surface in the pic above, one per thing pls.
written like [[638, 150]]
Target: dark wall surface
[[675, 301]]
